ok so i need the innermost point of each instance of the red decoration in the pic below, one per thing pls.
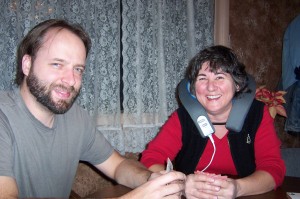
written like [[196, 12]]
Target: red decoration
[[273, 100]]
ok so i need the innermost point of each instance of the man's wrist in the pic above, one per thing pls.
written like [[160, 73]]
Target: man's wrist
[[149, 176]]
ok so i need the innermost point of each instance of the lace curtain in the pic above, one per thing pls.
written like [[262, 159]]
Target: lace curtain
[[140, 51]]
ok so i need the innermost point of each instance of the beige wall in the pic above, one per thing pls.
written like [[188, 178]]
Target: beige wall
[[221, 28]]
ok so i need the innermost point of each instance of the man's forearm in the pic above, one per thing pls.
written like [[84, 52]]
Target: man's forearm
[[132, 173], [8, 188]]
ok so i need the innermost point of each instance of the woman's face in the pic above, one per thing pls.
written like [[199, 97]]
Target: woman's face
[[214, 91]]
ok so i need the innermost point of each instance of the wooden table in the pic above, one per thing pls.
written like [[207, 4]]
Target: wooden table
[[290, 184]]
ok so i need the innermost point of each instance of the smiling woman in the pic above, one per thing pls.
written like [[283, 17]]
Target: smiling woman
[[218, 81]]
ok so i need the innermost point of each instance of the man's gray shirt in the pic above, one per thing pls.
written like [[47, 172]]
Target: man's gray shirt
[[44, 160]]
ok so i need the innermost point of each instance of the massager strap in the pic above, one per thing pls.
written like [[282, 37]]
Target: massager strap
[[193, 107], [240, 107]]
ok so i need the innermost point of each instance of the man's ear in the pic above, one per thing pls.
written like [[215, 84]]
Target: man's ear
[[26, 64]]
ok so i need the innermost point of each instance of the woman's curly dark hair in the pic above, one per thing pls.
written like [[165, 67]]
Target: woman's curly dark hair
[[218, 57]]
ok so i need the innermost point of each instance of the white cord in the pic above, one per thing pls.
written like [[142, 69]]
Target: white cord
[[213, 155]]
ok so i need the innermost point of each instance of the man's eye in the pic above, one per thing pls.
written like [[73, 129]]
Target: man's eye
[[79, 70], [56, 65]]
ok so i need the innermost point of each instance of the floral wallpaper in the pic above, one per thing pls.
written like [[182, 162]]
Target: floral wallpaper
[[256, 30]]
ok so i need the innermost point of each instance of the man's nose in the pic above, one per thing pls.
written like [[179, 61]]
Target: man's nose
[[69, 78]]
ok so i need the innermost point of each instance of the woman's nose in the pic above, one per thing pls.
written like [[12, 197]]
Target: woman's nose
[[211, 85]]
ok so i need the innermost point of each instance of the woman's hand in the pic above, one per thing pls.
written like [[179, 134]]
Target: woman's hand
[[210, 186]]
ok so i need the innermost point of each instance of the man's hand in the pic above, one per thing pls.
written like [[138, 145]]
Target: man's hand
[[160, 185]]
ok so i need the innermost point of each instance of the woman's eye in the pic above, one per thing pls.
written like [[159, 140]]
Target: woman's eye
[[201, 78]]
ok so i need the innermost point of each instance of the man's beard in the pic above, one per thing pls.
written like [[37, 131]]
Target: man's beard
[[43, 95]]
